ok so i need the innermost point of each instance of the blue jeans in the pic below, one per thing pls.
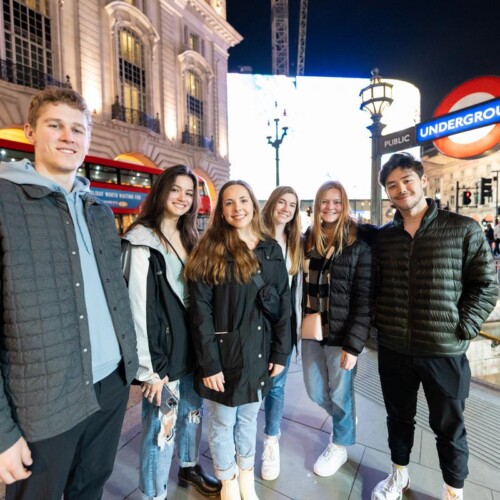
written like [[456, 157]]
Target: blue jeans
[[275, 401], [232, 435], [188, 430], [156, 460], [331, 387]]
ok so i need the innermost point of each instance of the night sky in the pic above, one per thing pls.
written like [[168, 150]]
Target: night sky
[[435, 45]]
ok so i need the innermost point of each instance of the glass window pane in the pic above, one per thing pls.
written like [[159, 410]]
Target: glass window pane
[[99, 173]]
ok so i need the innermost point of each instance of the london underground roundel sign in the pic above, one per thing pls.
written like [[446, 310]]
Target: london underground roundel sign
[[473, 142]]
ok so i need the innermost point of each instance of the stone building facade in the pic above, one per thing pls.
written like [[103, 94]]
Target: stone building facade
[[152, 71], [445, 174]]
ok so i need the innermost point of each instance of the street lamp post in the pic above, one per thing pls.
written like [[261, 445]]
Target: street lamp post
[[276, 143], [375, 98]]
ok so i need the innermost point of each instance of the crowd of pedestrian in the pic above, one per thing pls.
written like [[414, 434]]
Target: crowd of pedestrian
[[210, 323]]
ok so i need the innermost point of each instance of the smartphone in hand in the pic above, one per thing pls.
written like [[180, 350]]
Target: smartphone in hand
[[169, 400]]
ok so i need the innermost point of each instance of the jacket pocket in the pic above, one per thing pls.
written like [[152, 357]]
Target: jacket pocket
[[229, 344]]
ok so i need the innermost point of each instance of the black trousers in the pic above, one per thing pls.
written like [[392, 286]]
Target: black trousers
[[78, 462], [446, 383]]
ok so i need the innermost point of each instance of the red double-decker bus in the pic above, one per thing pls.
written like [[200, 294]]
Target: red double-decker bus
[[122, 185]]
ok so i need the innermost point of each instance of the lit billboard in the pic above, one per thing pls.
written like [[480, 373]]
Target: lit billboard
[[327, 135]]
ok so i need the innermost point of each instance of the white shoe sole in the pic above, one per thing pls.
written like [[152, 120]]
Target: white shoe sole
[[267, 477], [328, 474], [406, 488]]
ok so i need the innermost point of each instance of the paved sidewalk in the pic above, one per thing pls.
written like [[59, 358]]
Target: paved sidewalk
[[305, 433]]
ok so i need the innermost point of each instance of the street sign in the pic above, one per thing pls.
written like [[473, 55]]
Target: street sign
[[398, 141], [470, 118], [475, 142]]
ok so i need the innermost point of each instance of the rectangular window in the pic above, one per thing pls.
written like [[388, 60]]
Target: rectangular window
[[194, 42], [137, 179], [132, 76], [99, 173], [28, 44], [194, 108]]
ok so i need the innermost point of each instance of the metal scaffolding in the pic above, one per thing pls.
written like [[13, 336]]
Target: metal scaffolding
[[301, 54], [279, 29]]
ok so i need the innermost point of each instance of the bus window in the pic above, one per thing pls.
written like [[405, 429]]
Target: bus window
[[99, 173], [205, 207], [138, 179], [13, 155], [126, 220], [123, 221]]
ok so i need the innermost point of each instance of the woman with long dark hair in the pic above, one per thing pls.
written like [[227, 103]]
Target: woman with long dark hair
[[155, 249], [338, 286], [281, 218], [238, 348]]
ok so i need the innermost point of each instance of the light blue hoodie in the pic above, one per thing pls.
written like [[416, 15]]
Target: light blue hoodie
[[104, 345]]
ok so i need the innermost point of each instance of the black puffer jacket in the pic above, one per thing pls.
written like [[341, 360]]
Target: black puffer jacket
[[351, 294], [232, 335], [434, 290]]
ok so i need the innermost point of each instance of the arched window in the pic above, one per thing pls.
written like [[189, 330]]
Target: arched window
[[27, 48], [197, 76], [134, 39], [132, 75]]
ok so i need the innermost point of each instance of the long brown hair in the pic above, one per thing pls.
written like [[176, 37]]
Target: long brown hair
[[292, 228], [345, 230], [152, 210], [208, 261]]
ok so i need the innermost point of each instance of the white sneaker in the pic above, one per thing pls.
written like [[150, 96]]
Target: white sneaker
[[393, 486], [450, 493], [330, 461], [271, 458]]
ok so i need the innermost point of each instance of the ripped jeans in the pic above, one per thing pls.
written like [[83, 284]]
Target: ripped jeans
[[156, 461], [188, 429]]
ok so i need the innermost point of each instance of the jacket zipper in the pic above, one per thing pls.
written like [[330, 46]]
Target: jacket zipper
[[410, 299]]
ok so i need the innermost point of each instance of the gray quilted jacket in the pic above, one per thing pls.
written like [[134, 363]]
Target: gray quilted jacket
[[46, 385]]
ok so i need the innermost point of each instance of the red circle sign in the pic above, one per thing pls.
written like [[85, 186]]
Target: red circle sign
[[478, 89]]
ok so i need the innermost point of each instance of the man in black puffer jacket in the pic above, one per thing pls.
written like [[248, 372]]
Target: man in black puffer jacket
[[436, 285]]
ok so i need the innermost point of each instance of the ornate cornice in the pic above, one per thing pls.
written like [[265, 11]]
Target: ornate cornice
[[125, 13], [215, 22]]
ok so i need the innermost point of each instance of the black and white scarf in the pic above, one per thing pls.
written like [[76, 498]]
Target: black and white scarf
[[317, 284]]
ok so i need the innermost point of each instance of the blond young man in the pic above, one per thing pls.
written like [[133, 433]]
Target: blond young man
[[68, 349]]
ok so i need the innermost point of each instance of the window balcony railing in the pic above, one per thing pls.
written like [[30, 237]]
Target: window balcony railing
[[29, 77], [135, 117], [200, 141]]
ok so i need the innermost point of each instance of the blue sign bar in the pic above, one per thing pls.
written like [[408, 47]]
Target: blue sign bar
[[119, 199], [480, 115]]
